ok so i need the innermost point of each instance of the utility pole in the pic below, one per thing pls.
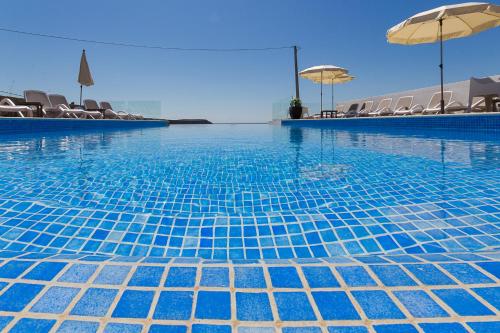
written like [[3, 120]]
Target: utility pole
[[297, 90]]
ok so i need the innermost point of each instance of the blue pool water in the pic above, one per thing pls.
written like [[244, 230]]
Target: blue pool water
[[250, 229], [250, 192]]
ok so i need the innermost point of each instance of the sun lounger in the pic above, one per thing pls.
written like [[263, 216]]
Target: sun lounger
[[365, 109], [91, 105], [122, 114], [61, 101], [352, 111], [383, 108], [8, 107], [48, 110], [434, 106], [404, 106]]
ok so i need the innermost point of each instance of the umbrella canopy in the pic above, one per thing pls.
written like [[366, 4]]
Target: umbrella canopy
[[343, 78], [322, 71], [443, 23], [460, 20], [84, 76], [324, 74]]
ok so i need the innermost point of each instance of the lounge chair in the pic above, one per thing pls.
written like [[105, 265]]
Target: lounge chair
[[122, 114], [48, 110], [404, 106], [365, 109], [92, 105], [340, 110], [352, 111], [383, 108], [305, 111], [9, 107], [434, 105], [61, 101]]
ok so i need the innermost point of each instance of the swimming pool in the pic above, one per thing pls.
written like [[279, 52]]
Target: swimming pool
[[250, 192], [250, 228]]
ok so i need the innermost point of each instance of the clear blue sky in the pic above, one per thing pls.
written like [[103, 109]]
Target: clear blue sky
[[226, 86]]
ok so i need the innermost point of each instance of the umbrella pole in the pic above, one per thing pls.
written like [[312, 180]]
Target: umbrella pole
[[321, 95], [441, 64], [81, 88], [332, 97]]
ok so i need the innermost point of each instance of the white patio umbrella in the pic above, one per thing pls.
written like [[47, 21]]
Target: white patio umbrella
[[443, 23], [322, 73], [84, 76], [342, 78]]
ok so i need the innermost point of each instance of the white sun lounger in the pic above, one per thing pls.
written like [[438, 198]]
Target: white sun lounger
[[383, 108], [91, 104], [8, 107], [124, 115], [366, 108], [434, 106], [48, 109], [61, 102]]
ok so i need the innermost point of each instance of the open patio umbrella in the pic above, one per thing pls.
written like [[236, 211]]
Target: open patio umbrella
[[342, 78], [443, 23], [321, 74], [84, 76]]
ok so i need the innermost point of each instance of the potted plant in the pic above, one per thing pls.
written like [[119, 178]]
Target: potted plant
[[295, 108]]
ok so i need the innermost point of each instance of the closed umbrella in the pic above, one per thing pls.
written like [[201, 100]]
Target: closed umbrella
[[443, 23], [321, 74], [84, 76], [342, 78]]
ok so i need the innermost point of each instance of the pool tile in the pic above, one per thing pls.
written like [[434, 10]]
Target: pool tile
[[377, 305], [113, 275], [419, 304], [492, 267], [174, 305], [44, 271], [122, 328], [284, 277], [249, 277], [248, 329], [146, 276], [335, 305], [485, 327], [181, 277], [347, 329], [395, 328], [14, 268], [320, 277], [4, 321], [428, 274], [94, 302], [133, 304], [156, 328], [392, 275], [55, 300], [205, 302], [355, 276], [490, 294], [465, 273], [463, 303], [200, 328], [442, 327], [70, 326], [214, 277], [294, 306], [18, 296], [253, 307], [78, 273], [28, 325], [306, 329]]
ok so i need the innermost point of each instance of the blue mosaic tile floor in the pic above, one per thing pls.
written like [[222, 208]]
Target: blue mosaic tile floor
[[456, 292], [250, 229]]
